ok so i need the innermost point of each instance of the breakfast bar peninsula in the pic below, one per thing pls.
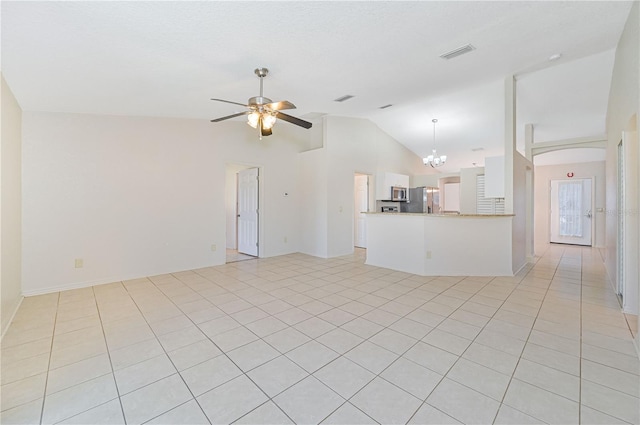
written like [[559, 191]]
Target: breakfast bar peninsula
[[441, 244]]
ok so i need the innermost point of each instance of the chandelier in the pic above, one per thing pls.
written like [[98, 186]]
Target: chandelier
[[434, 160]]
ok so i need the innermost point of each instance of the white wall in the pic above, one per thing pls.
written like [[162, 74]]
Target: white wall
[[357, 145], [622, 115], [543, 176], [11, 205], [312, 186], [468, 189], [138, 196], [432, 179], [351, 145], [519, 229], [467, 179], [446, 205]]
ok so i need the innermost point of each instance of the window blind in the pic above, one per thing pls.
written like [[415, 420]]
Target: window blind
[[487, 205]]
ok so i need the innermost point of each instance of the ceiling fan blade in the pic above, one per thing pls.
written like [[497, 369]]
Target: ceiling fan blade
[[230, 116], [294, 120], [228, 101], [283, 104], [265, 131]]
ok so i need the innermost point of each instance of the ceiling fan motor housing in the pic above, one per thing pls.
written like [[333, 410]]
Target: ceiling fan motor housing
[[259, 100]]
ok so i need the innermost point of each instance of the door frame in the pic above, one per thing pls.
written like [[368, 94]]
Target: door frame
[[591, 208], [258, 212], [368, 176], [231, 205], [620, 220], [629, 248]]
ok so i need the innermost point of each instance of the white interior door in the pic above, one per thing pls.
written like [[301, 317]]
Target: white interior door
[[248, 211], [571, 211], [361, 205]]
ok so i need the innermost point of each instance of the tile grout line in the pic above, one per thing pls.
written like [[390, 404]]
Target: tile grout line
[[526, 341], [46, 382], [309, 374], [378, 375], [355, 284], [579, 377], [375, 375], [341, 355], [580, 351], [113, 373], [166, 353], [474, 340], [387, 327], [424, 401], [216, 345]]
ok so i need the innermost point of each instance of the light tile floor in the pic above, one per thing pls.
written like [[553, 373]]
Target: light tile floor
[[234, 256], [298, 339]]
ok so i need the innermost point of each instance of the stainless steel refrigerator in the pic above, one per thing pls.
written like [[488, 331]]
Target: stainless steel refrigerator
[[422, 200]]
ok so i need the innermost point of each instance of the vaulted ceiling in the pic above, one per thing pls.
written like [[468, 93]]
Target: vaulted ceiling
[[168, 59]]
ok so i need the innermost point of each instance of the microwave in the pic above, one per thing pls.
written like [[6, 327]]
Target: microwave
[[399, 194]]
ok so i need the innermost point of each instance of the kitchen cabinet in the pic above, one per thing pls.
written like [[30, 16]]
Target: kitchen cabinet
[[386, 180], [494, 177]]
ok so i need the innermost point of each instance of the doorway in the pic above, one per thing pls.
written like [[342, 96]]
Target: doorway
[[361, 206], [242, 200], [620, 223], [571, 212], [247, 212]]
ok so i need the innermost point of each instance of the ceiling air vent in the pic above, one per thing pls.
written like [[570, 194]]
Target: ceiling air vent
[[343, 98], [457, 52]]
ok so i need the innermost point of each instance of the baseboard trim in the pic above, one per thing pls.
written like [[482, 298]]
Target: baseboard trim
[[13, 315], [521, 267], [104, 281]]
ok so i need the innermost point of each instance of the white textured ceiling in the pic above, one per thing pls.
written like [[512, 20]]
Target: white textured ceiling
[[169, 58]]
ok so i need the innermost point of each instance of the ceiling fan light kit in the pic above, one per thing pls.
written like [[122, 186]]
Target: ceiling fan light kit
[[262, 112], [434, 160]]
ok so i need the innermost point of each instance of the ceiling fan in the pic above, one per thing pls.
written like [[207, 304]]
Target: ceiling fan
[[262, 112]]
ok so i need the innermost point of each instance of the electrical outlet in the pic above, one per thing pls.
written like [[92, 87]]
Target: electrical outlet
[[285, 239], [428, 255], [214, 247], [79, 263]]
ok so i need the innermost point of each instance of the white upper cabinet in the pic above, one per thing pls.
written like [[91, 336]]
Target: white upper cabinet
[[494, 177], [385, 181]]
